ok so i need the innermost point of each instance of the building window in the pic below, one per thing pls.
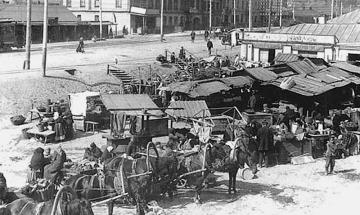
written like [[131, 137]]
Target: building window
[[176, 5], [170, 4], [164, 20], [157, 4], [97, 18], [176, 20], [78, 17], [151, 4], [82, 3], [68, 3], [170, 20], [97, 3], [118, 3]]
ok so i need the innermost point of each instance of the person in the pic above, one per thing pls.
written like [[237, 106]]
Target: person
[[48, 155], [172, 57], [52, 171], [330, 156], [265, 139], [192, 35], [93, 153], [80, 47], [3, 188], [182, 54], [59, 127], [37, 164], [209, 46], [107, 154], [68, 124], [237, 60], [206, 35], [253, 101], [173, 139], [227, 62]]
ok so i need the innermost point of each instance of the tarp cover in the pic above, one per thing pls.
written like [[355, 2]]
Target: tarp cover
[[131, 104], [78, 102], [190, 109]]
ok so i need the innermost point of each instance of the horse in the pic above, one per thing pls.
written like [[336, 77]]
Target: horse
[[61, 205], [139, 177], [96, 187], [227, 159]]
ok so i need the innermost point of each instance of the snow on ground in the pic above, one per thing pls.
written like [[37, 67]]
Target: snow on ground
[[283, 189]]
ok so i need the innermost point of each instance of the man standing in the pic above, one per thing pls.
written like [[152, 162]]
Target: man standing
[[192, 35], [209, 46], [265, 139], [93, 153]]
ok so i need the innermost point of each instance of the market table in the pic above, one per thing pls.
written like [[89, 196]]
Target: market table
[[46, 134]]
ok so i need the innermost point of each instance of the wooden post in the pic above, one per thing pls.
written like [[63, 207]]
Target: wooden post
[[45, 37], [28, 34], [270, 10], [210, 15], [100, 8], [162, 21], [139, 81], [235, 13], [332, 9], [281, 8], [250, 15]]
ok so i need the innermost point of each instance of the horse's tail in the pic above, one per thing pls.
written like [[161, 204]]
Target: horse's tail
[[58, 195]]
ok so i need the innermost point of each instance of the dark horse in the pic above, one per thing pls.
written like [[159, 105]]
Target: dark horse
[[94, 188], [61, 205], [223, 159], [196, 166]]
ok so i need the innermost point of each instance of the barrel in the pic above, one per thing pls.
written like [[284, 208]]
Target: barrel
[[246, 174]]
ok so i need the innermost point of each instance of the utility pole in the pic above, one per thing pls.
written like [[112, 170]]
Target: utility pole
[[162, 21], [332, 9], [281, 8], [210, 15], [270, 11], [341, 8], [100, 8], [250, 15], [234, 13], [28, 35], [45, 37], [293, 9]]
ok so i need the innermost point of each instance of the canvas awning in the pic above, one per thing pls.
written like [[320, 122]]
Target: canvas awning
[[130, 104], [188, 109]]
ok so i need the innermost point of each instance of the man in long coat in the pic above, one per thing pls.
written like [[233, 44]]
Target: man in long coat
[[52, 171], [265, 139], [37, 164]]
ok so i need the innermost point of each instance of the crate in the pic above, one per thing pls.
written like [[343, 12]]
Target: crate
[[258, 117]]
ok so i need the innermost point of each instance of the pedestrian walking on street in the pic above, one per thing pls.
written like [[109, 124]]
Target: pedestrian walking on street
[[266, 142], [80, 47], [192, 36], [210, 46]]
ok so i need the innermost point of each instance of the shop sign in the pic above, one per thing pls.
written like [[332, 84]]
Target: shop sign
[[290, 38]]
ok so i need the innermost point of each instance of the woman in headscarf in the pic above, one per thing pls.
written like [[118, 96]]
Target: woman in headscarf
[[37, 164], [59, 127], [68, 124]]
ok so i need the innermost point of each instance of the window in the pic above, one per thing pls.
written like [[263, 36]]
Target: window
[[151, 4], [176, 5], [68, 3], [176, 20], [170, 20], [97, 19], [82, 3], [170, 4], [78, 17], [118, 3], [157, 4], [97, 3], [164, 20]]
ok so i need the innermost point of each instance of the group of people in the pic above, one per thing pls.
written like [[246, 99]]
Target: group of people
[[44, 164]]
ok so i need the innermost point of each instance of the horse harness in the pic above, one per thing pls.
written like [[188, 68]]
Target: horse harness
[[38, 208]]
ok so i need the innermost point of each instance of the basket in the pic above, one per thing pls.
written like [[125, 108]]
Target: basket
[[17, 120]]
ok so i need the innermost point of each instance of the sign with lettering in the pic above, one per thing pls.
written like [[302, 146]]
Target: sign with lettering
[[290, 38]]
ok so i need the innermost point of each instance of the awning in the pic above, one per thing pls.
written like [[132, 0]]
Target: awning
[[261, 74], [189, 109], [238, 81], [78, 103], [131, 104], [347, 67]]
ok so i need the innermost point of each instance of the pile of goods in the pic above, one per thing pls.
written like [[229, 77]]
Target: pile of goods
[[17, 120]]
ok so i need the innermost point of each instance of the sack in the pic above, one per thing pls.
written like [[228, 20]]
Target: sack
[[17, 120]]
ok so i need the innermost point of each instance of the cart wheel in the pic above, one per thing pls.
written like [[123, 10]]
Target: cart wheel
[[182, 183]]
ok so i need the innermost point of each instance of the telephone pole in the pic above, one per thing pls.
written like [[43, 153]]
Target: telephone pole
[[270, 11], [332, 9], [162, 21], [28, 35], [281, 10], [45, 37], [234, 13], [250, 15], [100, 8], [210, 14]]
